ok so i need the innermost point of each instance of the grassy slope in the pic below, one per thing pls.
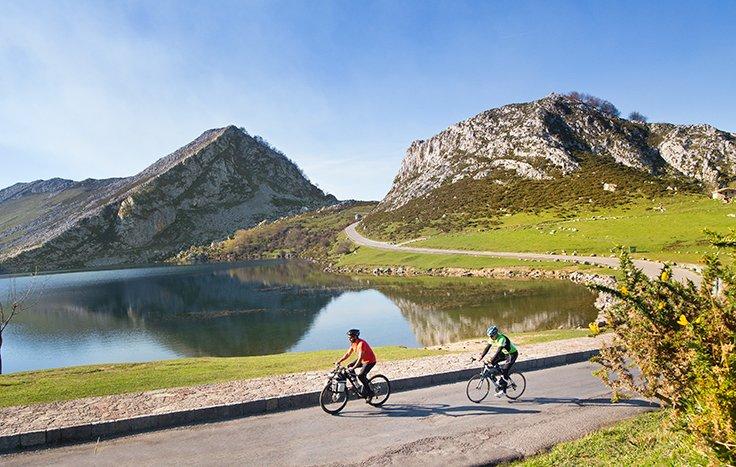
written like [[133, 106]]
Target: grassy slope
[[484, 203], [674, 234], [643, 440], [365, 256], [28, 208], [314, 234], [538, 337], [97, 380]]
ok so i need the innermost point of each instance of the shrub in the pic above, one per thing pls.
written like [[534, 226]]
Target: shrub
[[344, 247], [637, 117], [601, 104], [675, 342]]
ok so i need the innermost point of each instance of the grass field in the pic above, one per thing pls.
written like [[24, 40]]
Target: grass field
[[643, 440], [98, 380], [365, 256], [664, 229]]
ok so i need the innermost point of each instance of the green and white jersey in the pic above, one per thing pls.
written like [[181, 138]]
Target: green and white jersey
[[504, 342]]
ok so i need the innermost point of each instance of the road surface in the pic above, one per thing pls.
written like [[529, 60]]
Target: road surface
[[650, 268], [431, 426]]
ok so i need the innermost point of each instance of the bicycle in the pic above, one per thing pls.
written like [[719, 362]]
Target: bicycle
[[480, 385], [335, 394]]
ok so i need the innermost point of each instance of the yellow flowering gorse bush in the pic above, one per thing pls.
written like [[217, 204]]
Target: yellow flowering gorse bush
[[675, 342]]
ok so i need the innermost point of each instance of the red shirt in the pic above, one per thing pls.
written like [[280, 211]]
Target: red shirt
[[368, 355]]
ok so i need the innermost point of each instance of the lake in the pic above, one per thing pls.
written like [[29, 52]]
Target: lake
[[263, 307]]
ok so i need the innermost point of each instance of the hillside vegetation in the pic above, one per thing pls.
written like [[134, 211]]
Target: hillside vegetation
[[483, 204], [311, 235]]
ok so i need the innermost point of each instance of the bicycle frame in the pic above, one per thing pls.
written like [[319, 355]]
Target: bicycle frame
[[349, 376], [491, 372]]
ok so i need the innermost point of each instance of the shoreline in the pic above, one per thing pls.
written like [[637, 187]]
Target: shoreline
[[37, 418], [602, 303]]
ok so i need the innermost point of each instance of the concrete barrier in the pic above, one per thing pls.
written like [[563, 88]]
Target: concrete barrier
[[116, 428]]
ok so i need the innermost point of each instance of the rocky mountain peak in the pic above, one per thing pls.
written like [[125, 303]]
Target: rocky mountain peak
[[222, 181], [543, 138]]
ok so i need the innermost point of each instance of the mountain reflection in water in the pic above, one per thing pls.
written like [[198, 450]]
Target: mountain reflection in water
[[264, 307]]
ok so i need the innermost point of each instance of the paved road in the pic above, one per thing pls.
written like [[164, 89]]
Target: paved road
[[650, 268], [432, 426]]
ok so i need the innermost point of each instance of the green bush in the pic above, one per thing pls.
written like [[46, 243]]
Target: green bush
[[675, 342]]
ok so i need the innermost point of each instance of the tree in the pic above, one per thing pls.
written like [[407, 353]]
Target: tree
[[8, 310], [601, 104], [637, 117]]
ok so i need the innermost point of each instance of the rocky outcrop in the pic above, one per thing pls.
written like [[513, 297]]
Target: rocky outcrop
[[54, 185], [540, 139], [222, 181]]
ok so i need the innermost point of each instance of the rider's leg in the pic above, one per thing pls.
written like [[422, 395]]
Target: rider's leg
[[506, 368], [499, 382], [354, 366], [363, 377]]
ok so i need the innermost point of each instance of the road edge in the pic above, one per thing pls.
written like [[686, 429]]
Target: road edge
[[124, 427]]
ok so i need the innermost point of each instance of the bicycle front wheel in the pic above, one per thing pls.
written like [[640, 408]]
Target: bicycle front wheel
[[478, 388], [516, 386], [331, 400], [381, 388]]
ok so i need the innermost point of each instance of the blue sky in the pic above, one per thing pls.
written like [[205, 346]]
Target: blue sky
[[102, 89]]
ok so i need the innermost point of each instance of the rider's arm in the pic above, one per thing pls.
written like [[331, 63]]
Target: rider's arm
[[360, 355], [345, 357], [485, 351]]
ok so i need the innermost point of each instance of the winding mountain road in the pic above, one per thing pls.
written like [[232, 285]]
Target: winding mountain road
[[650, 268]]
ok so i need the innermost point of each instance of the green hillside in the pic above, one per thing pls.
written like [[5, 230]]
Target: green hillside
[[485, 204], [666, 228]]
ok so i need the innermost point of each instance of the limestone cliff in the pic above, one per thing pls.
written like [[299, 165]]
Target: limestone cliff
[[540, 139]]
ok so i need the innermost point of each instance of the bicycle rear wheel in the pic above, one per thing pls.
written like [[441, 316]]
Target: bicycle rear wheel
[[331, 400], [381, 388], [478, 388], [516, 386]]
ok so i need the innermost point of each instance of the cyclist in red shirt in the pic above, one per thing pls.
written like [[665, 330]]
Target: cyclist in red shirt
[[366, 360]]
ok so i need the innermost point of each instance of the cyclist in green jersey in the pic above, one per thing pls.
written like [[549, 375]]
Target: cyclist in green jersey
[[505, 351]]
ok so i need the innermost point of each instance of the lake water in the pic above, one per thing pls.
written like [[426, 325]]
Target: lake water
[[262, 307]]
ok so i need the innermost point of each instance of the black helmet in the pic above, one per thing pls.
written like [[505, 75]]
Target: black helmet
[[354, 332]]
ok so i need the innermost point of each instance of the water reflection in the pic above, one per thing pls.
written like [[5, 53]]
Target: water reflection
[[262, 308], [453, 311]]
